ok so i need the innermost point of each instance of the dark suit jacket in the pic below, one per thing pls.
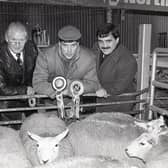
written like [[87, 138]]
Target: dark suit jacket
[[13, 78], [116, 75]]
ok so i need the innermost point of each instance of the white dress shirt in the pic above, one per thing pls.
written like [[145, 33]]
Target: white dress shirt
[[15, 57]]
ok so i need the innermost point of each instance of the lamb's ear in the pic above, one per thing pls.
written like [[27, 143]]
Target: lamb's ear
[[62, 135], [161, 118], [34, 136]]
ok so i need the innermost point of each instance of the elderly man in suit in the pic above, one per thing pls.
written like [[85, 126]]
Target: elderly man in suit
[[17, 61]]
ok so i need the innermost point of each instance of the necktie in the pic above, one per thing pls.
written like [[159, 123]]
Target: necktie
[[19, 61]]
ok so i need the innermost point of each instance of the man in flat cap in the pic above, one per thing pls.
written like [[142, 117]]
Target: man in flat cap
[[67, 58]]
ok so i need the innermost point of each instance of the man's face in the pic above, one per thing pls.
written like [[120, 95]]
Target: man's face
[[16, 40], [107, 44], [69, 49]]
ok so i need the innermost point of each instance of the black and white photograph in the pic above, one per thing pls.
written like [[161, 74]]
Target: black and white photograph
[[84, 83]]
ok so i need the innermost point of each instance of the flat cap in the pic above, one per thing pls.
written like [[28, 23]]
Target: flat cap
[[69, 33]]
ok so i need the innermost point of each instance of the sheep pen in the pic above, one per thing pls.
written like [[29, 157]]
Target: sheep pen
[[12, 152], [105, 134]]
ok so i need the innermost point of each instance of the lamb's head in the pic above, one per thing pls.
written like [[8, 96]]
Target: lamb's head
[[141, 146], [154, 126], [47, 147]]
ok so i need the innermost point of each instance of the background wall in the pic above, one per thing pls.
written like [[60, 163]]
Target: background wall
[[53, 17]]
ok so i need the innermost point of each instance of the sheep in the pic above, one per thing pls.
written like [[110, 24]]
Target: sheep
[[86, 162], [12, 152], [104, 134], [48, 126], [152, 148], [104, 127], [154, 126], [160, 162]]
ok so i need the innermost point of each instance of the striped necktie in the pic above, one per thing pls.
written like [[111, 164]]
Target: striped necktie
[[19, 61]]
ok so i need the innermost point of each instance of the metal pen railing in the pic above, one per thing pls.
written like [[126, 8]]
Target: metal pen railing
[[50, 107]]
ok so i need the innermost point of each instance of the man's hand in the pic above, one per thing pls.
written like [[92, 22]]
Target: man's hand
[[30, 91], [53, 95], [101, 93], [66, 92]]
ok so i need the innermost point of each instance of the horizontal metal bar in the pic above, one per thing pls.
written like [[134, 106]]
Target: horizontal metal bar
[[158, 110], [161, 50], [160, 84], [44, 96], [81, 116], [161, 98], [11, 122], [81, 105]]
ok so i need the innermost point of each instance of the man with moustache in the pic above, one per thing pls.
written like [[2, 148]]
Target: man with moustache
[[116, 69]]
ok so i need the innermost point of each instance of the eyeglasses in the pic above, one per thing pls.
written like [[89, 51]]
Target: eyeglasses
[[21, 41]]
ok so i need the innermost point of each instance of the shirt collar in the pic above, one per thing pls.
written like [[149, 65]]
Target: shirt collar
[[14, 55]]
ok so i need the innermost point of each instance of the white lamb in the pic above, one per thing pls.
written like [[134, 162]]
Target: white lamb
[[12, 153], [105, 134], [46, 127], [151, 148]]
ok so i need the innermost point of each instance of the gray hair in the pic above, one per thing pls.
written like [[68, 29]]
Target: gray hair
[[18, 26]]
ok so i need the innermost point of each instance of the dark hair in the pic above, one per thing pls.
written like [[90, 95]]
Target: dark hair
[[107, 28]]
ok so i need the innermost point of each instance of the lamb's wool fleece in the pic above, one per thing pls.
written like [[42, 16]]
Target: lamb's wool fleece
[[86, 162], [106, 134], [160, 162], [158, 155], [43, 124], [12, 153]]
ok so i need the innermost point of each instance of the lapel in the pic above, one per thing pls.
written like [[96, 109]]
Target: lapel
[[111, 59], [13, 60], [59, 62], [18, 68], [25, 60], [54, 60], [73, 67]]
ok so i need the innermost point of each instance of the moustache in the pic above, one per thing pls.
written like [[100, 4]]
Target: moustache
[[104, 48]]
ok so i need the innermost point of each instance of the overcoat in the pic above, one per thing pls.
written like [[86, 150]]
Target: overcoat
[[116, 75], [14, 78], [51, 63]]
